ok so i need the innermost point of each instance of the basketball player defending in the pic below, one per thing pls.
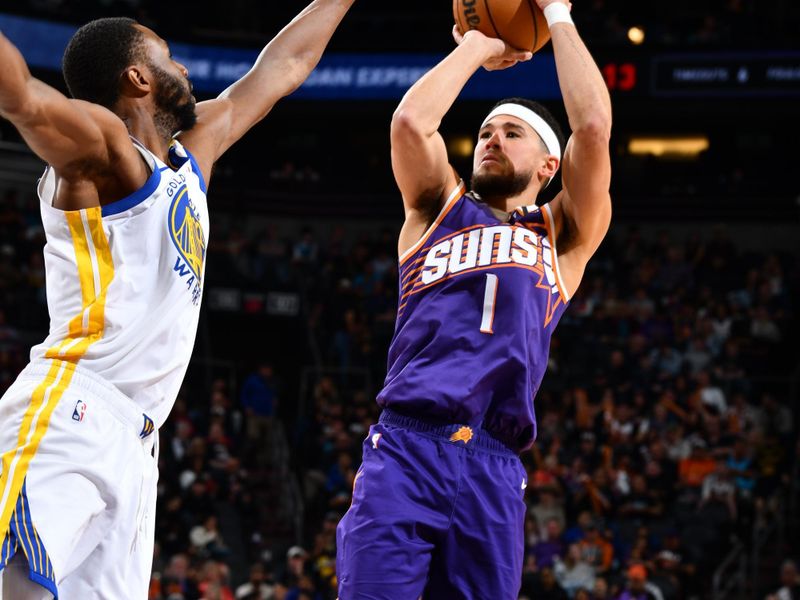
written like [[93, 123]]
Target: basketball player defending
[[123, 203], [438, 504]]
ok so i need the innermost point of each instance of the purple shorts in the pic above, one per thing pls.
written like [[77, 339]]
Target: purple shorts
[[437, 512]]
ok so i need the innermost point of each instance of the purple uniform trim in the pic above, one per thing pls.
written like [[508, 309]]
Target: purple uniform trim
[[479, 300]]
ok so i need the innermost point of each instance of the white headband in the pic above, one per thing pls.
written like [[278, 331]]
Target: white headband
[[538, 124]]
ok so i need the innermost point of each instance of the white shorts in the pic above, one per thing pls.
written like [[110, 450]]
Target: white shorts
[[77, 484]]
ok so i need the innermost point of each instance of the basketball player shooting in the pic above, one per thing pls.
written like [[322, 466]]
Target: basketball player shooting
[[123, 205], [485, 275]]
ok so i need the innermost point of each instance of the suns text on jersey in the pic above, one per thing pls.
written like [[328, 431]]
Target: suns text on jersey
[[488, 246]]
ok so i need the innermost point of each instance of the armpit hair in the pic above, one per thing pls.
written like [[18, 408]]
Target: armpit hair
[[431, 202], [567, 238]]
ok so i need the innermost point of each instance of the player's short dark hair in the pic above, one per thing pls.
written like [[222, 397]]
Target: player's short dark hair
[[542, 112], [96, 57]]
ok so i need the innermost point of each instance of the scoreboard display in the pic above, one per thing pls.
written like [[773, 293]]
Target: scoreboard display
[[621, 76], [763, 74]]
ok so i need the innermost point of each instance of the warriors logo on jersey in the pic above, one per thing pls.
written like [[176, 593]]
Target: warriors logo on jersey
[[187, 232], [185, 228]]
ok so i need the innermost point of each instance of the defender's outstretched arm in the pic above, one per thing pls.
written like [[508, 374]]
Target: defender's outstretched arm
[[63, 132], [283, 65]]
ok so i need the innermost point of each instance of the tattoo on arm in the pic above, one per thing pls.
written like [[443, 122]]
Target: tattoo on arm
[[577, 49]]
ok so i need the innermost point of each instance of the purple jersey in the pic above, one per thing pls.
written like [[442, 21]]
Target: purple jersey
[[479, 299]]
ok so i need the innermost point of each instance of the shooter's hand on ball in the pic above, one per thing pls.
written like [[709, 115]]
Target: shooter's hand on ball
[[502, 56]]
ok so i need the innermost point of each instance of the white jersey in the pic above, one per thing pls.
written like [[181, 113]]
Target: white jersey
[[124, 282]]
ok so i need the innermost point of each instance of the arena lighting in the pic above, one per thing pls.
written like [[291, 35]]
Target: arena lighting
[[461, 145], [636, 35], [686, 147]]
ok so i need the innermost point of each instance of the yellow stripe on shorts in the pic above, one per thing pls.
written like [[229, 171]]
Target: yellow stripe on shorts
[[95, 273]]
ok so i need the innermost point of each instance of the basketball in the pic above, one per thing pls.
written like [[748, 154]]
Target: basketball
[[519, 23]]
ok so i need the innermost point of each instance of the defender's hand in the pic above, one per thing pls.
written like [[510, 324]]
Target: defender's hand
[[501, 55]]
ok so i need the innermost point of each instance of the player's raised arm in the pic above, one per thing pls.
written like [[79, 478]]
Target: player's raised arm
[[585, 202], [419, 157], [283, 65], [60, 131]]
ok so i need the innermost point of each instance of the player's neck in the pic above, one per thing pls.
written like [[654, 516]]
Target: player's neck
[[507, 204], [142, 125]]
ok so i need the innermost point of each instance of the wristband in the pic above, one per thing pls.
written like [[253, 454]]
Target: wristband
[[557, 12]]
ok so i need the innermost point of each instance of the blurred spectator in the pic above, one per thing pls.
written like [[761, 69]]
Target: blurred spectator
[[179, 579], [548, 549], [549, 507], [790, 583], [573, 573], [637, 585], [259, 399], [257, 586], [595, 550], [545, 587], [306, 249], [206, 539], [719, 490], [693, 469], [296, 568], [214, 582], [666, 575], [579, 530], [601, 590]]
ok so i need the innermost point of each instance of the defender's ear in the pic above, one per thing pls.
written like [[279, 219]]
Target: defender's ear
[[135, 82]]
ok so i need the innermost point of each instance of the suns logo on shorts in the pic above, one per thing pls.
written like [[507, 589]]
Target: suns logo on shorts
[[187, 232], [464, 434]]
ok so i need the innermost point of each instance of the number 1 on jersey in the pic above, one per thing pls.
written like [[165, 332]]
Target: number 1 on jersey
[[489, 298]]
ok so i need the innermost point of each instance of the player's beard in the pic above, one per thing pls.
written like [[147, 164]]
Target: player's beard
[[499, 185], [175, 105]]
